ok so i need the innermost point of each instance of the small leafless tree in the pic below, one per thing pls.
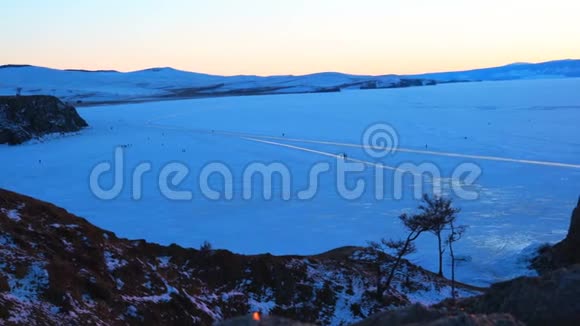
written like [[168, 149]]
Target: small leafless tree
[[393, 248], [416, 225], [454, 236], [440, 214], [434, 215], [205, 246]]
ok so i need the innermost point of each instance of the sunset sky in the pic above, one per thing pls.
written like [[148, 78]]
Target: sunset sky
[[268, 37]]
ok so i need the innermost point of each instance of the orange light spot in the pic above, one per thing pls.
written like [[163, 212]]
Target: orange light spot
[[256, 316]]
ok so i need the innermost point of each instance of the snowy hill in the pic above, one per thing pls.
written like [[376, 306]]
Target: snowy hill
[[158, 83], [551, 69], [58, 269], [106, 86]]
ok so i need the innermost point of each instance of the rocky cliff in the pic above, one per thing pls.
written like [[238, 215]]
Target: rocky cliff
[[26, 117], [551, 299], [563, 254]]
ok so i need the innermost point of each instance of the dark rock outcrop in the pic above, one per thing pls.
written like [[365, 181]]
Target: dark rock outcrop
[[421, 315], [572, 241], [551, 299], [26, 117], [563, 254]]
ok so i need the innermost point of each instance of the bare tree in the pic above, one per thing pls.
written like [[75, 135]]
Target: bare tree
[[205, 246], [394, 248], [434, 214], [415, 224], [18, 91], [454, 236], [439, 214], [376, 250]]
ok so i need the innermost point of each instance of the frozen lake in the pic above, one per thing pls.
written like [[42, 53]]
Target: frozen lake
[[520, 204]]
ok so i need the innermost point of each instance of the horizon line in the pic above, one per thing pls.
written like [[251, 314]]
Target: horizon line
[[11, 65]]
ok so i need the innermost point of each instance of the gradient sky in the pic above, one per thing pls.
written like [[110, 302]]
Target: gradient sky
[[287, 36]]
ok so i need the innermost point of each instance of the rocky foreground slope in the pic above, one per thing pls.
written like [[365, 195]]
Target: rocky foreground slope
[[56, 268], [26, 117]]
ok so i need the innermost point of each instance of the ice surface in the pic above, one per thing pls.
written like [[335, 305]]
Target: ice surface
[[520, 204]]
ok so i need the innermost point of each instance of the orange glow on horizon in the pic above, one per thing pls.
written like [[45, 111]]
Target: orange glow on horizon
[[263, 37]]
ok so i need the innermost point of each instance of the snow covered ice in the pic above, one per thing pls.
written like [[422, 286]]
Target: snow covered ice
[[520, 204]]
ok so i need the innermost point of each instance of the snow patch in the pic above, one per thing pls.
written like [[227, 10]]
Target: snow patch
[[13, 214], [165, 297], [112, 262], [164, 261], [28, 288]]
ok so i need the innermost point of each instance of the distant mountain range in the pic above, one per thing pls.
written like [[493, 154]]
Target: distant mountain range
[[106, 86], [521, 70]]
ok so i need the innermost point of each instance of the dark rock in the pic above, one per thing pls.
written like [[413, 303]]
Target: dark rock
[[573, 238], [421, 315], [563, 254], [551, 299], [26, 117]]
